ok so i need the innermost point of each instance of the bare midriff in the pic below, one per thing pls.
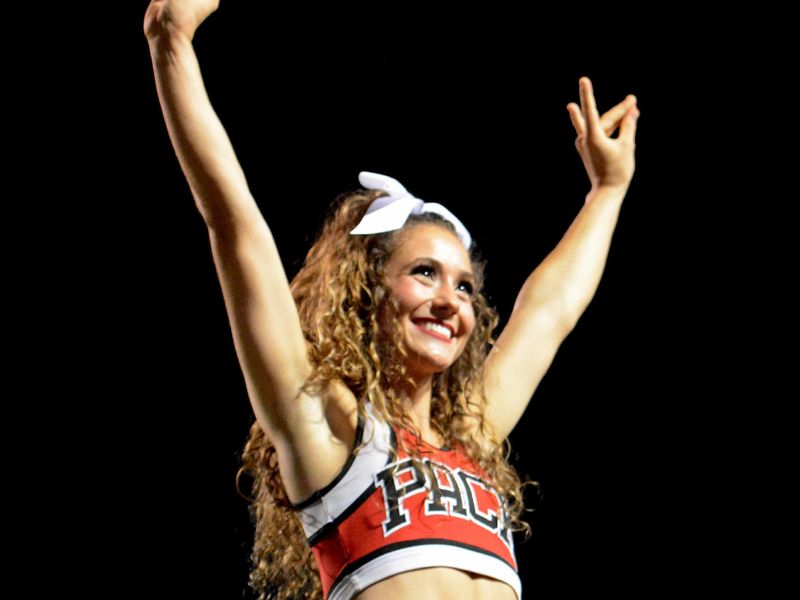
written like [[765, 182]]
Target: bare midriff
[[442, 583]]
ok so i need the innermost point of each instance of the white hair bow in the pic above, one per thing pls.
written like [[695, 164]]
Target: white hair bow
[[388, 213]]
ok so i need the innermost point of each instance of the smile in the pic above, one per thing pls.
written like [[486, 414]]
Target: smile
[[433, 330]]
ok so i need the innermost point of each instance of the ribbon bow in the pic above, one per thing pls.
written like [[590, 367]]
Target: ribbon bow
[[388, 213]]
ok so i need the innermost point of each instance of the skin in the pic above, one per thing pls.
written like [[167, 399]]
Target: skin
[[547, 307], [176, 17], [425, 290], [609, 162]]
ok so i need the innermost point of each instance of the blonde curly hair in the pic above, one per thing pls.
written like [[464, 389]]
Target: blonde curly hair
[[341, 293]]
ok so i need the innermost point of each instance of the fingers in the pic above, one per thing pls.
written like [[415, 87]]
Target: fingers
[[576, 118], [611, 118], [628, 128], [585, 118], [588, 106]]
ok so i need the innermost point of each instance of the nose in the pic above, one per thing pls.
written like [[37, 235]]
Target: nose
[[445, 301]]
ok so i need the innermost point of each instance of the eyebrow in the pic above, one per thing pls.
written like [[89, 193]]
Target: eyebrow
[[466, 274]]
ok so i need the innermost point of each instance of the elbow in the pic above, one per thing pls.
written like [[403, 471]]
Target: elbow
[[571, 305], [565, 314]]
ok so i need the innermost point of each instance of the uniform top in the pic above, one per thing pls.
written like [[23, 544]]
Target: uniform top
[[379, 518]]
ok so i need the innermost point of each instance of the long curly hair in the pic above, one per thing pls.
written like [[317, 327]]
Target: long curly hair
[[341, 295]]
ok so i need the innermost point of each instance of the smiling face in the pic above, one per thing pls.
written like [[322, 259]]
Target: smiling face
[[430, 276]]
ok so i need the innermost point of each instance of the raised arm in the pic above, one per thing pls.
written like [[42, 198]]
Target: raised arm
[[264, 321], [558, 291]]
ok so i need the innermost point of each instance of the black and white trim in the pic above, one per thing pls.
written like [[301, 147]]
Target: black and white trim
[[453, 493], [314, 514], [422, 554]]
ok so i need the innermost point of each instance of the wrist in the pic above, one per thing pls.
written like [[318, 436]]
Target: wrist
[[607, 194], [168, 40]]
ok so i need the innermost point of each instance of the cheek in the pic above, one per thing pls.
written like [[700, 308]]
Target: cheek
[[468, 321], [408, 295]]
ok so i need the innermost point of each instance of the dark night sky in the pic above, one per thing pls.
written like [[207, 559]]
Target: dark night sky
[[641, 433]]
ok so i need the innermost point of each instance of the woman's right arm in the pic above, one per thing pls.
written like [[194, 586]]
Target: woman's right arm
[[264, 321]]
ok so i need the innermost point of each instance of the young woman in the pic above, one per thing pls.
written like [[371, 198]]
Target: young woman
[[382, 401]]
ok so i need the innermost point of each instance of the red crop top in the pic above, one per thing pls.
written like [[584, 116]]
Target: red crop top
[[369, 524]]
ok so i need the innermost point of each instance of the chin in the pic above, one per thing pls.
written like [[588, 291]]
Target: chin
[[423, 363], [430, 367]]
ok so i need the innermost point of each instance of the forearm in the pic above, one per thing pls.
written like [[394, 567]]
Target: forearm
[[566, 281], [201, 144]]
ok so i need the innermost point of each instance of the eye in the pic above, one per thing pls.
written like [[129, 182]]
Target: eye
[[467, 287], [423, 269]]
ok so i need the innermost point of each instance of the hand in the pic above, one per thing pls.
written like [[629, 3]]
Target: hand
[[167, 17], [608, 162]]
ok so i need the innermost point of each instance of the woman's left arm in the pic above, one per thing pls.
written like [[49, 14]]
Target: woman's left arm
[[558, 291]]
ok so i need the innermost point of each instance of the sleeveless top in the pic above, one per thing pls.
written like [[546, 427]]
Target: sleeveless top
[[379, 518]]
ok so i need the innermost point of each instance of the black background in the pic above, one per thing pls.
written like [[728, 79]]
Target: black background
[[646, 434]]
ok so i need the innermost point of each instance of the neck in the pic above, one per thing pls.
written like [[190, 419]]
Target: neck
[[416, 402]]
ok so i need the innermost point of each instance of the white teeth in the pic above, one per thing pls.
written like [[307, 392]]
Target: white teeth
[[436, 327]]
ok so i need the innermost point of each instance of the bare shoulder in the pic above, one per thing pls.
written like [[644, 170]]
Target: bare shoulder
[[320, 443]]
